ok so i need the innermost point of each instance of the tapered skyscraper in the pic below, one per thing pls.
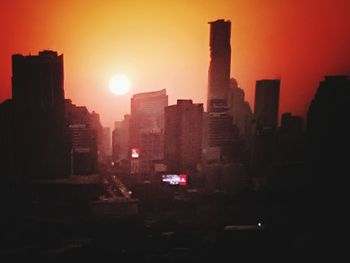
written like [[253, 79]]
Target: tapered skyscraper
[[220, 63]]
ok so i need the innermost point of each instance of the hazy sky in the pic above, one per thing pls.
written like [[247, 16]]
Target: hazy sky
[[164, 44]]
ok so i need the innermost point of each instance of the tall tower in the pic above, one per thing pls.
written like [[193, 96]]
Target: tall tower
[[220, 63]]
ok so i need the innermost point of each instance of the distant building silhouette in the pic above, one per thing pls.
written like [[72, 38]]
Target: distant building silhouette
[[120, 143], [147, 129], [221, 131], [291, 123], [103, 156], [265, 137], [106, 145], [291, 139], [220, 62], [83, 139], [183, 136], [41, 135], [266, 102], [240, 111], [221, 134]]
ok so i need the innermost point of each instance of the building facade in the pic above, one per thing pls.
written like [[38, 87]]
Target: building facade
[[147, 130], [83, 139], [183, 136]]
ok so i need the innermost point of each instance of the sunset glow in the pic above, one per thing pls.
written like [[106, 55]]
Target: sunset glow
[[163, 44]]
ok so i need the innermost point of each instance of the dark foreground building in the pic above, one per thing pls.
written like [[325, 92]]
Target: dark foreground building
[[40, 133], [265, 131], [327, 131]]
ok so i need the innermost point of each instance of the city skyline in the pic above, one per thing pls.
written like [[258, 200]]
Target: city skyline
[[294, 50], [237, 154]]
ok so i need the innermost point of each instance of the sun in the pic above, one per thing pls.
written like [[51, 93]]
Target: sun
[[119, 84]]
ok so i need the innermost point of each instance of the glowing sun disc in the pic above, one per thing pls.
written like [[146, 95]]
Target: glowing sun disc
[[119, 84]]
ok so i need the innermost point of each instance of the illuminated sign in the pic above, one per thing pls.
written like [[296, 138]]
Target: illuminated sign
[[175, 179], [183, 179], [135, 153]]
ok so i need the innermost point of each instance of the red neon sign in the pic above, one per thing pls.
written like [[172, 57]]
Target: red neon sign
[[135, 153], [183, 179]]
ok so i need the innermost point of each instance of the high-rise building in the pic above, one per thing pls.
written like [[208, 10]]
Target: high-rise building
[[240, 111], [120, 141], [327, 131], [106, 145], [221, 133], [183, 136], [327, 146], [265, 140], [41, 135], [147, 129], [267, 93], [83, 138], [290, 139], [220, 62]]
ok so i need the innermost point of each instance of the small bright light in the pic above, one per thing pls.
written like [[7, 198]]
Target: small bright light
[[259, 224], [119, 84]]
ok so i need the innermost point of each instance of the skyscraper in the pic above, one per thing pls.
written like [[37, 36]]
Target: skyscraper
[[220, 62], [327, 129], [83, 139], [221, 133], [41, 134], [240, 111], [265, 133], [147, 128], [267, 93], [183, 136], [120, 141]]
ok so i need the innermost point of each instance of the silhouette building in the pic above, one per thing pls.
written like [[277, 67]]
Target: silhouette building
[[221, 133], [183, 136], [41, 136], [327, 131], [291, 139], [7, 149], [83, 138], [147, 130], [240, 111], [265, 131], [291, 123], [266, 102], [106, 145], [220, 62], [120, 142]]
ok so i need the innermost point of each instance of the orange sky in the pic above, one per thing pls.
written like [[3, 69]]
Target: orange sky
[[164, 44]]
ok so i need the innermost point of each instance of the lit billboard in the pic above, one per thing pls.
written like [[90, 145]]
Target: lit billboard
[[175, 179], [135, 153]]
